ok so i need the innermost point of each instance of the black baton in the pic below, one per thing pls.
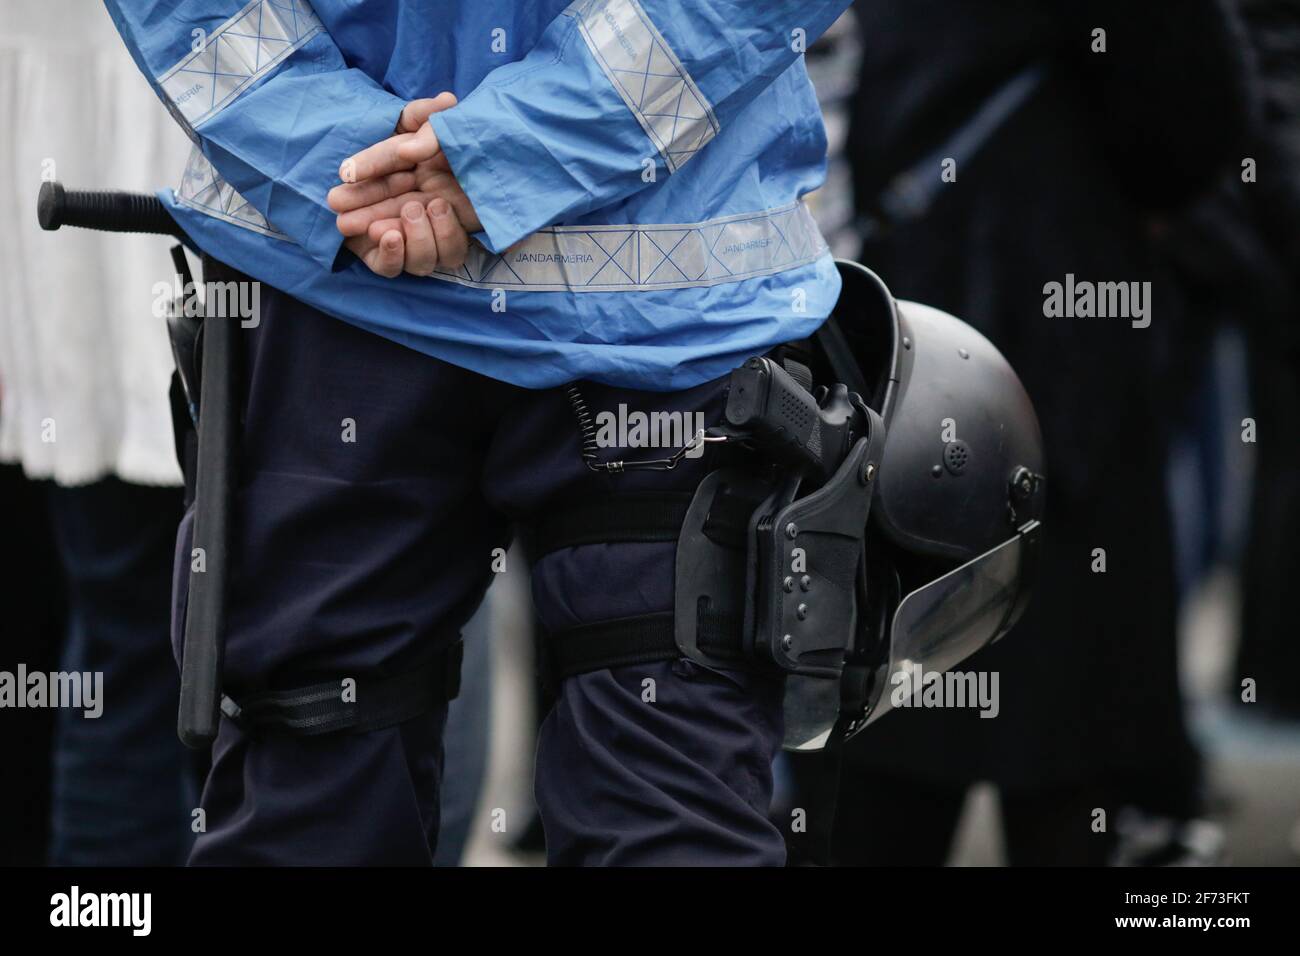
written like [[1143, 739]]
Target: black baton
[[205, 618]]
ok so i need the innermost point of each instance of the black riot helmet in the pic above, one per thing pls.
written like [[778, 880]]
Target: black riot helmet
[[955, 515]]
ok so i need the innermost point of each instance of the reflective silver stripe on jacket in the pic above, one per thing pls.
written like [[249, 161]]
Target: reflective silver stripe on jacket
[[202, 188], [237, 54], [627, 258], [637, 258], [648, 76]]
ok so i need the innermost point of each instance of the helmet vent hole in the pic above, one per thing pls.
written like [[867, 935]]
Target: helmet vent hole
[[956, 456]]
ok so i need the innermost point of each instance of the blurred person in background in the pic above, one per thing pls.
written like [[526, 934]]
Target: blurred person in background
[[1236, 254], [31, 629], [1265, 255], [84, 371], [1267, 258], [1070, 147]]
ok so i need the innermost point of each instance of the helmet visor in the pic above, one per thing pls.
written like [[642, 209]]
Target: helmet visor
[[938, 626]]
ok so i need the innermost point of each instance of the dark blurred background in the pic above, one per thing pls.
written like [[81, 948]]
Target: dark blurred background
[[1163, 149]]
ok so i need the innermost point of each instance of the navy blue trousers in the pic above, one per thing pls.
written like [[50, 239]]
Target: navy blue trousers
[[375, 484]]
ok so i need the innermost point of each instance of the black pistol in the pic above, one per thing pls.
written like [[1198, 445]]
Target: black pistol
[[788, 420]]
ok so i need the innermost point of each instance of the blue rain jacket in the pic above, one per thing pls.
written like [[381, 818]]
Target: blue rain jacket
[[638, 166]]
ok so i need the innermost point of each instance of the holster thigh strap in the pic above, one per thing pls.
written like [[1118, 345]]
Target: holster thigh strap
[[639, 640]]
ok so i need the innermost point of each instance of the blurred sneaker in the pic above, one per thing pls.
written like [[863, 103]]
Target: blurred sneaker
[[1149, 840]]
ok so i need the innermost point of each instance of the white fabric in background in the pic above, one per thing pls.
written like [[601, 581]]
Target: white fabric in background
[[79, 344]]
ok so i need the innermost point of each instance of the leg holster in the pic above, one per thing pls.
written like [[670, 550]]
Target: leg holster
[[769, 558]]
